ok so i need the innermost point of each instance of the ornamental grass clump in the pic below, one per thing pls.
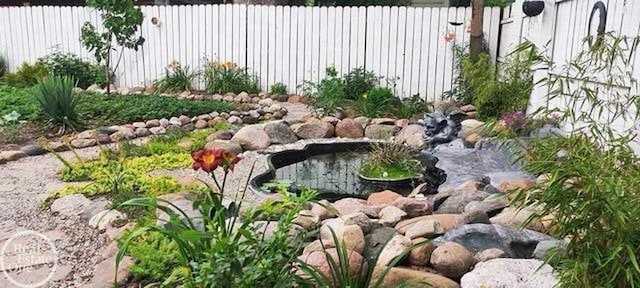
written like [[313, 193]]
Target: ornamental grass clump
[[224, 77], [216, 249], [58, 102], [391, 161], [589, 195]]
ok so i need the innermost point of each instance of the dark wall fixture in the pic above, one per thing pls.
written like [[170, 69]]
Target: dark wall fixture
[[598, 17], [532, 8], [459, 3]]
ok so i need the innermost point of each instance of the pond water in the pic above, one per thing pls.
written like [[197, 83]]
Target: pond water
[[334, 175]]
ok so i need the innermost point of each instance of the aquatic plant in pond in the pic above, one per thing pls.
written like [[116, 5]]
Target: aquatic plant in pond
[[389, 161]]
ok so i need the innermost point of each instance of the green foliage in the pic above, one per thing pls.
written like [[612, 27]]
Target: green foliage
[[120, 22], [3, 66], [58, 102], [410, 108], [377, 102], [224, 77], [497, 3], [177, 79], [358, 82], [156, 258], [121, 109], [84, 73], [362, 3], [27, 75], [390, 160], [461, 92], [495, 95], [19, 100], [592, 176], [11, 126], [328, 94], [224, 252], [279, 89]]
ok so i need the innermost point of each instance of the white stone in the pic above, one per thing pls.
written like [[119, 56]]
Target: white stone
[[506, 273], [105, 219]]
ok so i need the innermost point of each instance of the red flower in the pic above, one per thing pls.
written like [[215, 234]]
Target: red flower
[[230, 159], [207, 159]]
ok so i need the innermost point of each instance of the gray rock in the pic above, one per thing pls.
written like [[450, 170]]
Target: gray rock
[[188, 127], [478, 237], [70, 205], [157, 130], [220, 135], [33, 150], [252, 137], [313, 130], [87, 134], [153, 123], [378, 131], [376, 241], [164, 122], [250, 120], [234, 120], [94, 208], [226, 145], [141, 132], [83, 143], [12, 155], [491, 205], [280, 133], [470, 126], [180, 200], [508, 273], [105, 219], [486, 255], [175, 121], [544, 248], [456, 203]]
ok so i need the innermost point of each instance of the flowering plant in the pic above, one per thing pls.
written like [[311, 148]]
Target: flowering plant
[[522, 125]]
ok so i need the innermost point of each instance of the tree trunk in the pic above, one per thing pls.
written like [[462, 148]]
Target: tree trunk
[[477, 15]]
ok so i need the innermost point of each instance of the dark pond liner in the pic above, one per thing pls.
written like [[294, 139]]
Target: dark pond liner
[[284, 158]]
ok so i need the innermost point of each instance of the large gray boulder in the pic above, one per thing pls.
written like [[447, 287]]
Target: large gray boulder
[[509, 273], [516, 243], [280, 133], [252, 137]]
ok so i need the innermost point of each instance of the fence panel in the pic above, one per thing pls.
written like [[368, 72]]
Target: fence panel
[[285, 44]]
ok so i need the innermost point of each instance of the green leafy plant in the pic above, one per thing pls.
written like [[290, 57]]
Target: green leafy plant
[[156, 259], [19, 100], [58, 102], [176, 79], [592, 181], [223, 251], [358, 82], [120, 22], [27, 75], [224, 77], [377, 102], [411, 108], [120, 109], [70, 65], [390, 161], [328, 94], [11, 124], [3, 66], [279, 89]]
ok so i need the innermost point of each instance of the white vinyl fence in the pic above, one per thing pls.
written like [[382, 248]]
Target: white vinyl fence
[[278, 43], [560, 31]]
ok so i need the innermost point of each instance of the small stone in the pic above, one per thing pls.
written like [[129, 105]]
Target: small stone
[[329, 225], [105, 219], [105, 272], [545, 248], [470, 126], [397, 246], [324, 209], [319, 245], [157, 130], [234, 120], [383, 121], [391, 215], [250, 120], [363, 121], [318, 259], [348, 128], [184, 119], [360, 219], [424, 228], [401, 276], [70, 205], [307, 220], [331, 120], [401, 123], [220, 135], [467, 108], [188, 127], [421, 252], [142, 132], [414, 207], [175, 121], [471, 140], [139, 125], [33, 150], [294, 99], [488, 254], [515, 218], [313, 130], [201, 124], [164, 122], [445, 221], [87, 134], [83, 143], [351, 235], [452, 259]]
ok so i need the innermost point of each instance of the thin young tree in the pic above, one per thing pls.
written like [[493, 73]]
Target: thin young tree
[[477, 19], [121, 20]]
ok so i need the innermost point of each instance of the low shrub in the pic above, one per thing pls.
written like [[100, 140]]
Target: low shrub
[[328, 94], [3, 66], [84, 73], [176, 79], [376, 102], [279, 89], [156, 259], [122, 109], [224, 77], [411, 108], [58, 102], [27, 75], [358, 82]]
